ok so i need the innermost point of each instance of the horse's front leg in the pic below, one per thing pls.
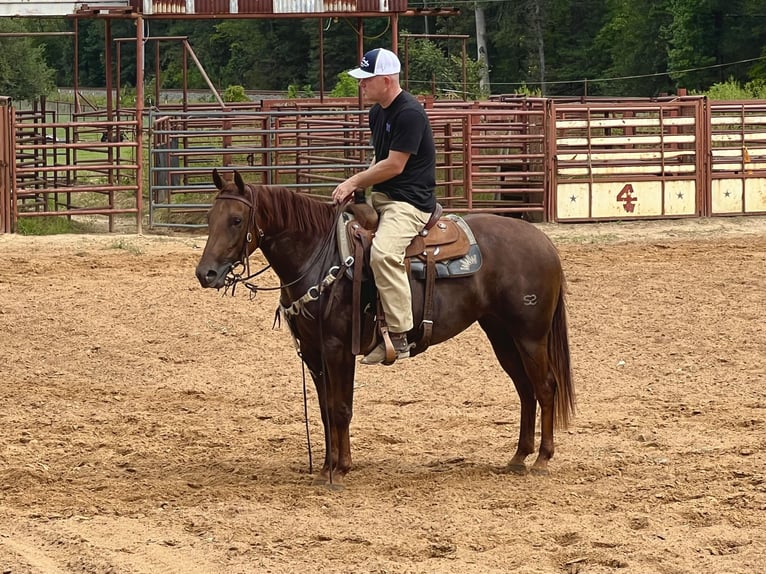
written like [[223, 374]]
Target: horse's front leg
[[335, 386]]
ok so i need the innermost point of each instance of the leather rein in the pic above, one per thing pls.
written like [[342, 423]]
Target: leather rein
[[298, 306]]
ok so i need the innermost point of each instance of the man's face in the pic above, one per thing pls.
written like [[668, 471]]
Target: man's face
[[374, 88]]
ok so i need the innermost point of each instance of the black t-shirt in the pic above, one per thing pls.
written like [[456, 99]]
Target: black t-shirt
[[403, 126]]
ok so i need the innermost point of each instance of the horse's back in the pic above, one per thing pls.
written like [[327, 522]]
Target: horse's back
[[513, 241]]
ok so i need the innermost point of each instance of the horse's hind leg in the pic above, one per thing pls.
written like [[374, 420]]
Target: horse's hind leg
[[510, 359]]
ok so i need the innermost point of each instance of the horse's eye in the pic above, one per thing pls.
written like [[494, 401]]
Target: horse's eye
[[236, 221]]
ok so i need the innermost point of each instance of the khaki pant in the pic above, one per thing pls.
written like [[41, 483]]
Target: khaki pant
[[399, 223]]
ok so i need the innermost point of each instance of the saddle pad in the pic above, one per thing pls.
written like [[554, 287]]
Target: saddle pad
[[344, 247], [469, 264], [459, 267]]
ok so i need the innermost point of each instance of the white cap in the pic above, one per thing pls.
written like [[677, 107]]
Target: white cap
[[377, 62]]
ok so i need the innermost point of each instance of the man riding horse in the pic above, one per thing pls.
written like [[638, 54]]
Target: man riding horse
[[403, 177]]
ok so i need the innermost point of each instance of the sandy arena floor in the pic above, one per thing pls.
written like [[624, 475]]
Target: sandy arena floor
[[151, 426]]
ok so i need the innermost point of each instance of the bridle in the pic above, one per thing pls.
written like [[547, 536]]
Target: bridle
[[233, 277], [244, 256]]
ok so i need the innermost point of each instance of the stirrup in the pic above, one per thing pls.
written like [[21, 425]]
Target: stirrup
[[386, 352]]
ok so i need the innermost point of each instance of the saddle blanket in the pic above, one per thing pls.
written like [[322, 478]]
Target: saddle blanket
[[459, 267]]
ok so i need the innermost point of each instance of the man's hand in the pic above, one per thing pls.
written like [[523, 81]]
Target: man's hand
[[343, 192]]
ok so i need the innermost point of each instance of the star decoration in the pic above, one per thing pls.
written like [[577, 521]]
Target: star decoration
[[573, 199]]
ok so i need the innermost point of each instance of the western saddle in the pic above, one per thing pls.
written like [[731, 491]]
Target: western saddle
[[441, 239]]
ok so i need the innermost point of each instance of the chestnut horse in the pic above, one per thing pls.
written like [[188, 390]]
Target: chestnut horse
[[517, 296]]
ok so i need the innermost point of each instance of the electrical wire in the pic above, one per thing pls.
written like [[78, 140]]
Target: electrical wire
[[614, 79]]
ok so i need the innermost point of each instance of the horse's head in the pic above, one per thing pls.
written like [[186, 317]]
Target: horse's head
[[231, 230]]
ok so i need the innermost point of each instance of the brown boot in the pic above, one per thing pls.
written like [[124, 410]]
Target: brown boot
[[378, 354]]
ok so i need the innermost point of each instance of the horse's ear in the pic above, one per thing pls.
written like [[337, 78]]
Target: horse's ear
[[240, 183], [217, 180]]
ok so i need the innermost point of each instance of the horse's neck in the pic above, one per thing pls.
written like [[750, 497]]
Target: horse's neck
[[291, 244], [291, 256]]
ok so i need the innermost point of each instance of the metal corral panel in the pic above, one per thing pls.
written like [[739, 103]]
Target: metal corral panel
[[625, 160], [7, 151], [223, 7], [42, 8], [738, 157]]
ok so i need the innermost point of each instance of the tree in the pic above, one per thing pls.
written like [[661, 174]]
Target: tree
[[24, 75], [634, 42], [431, 71], [706, 37]]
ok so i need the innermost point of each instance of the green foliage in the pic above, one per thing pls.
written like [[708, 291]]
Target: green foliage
[[524, 90], [632, 42], [347, 87], [128, 96], [432, 71], [734, 90], [24, 75], [294, 91], [235, 94], [622, 47], [150, 89]]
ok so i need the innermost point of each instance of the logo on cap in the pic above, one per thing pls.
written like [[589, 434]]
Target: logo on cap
[[377, 62]]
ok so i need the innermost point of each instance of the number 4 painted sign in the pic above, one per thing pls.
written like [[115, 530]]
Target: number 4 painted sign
[[627, 198]]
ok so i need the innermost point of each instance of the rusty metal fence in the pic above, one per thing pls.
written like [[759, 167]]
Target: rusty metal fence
[[7, 163], [84, 165], [618, 161], [306, 150], [491, 156], [543, 159], [737, 169]]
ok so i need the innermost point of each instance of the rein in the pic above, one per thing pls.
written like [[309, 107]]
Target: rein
[[314, 293]]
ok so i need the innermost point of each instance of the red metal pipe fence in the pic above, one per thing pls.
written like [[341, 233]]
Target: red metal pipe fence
[[7, 164], [543, 159]]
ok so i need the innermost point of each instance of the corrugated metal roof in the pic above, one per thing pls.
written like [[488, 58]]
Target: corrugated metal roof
[[223, 7], [201, 7], [59, 7]]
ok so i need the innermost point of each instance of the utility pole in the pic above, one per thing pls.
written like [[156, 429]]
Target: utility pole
[[538, 25], [481, 45]]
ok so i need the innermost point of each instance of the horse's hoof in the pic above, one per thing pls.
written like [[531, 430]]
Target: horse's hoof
[[539, 471], [336, 484], [319, 481], [517, 468]]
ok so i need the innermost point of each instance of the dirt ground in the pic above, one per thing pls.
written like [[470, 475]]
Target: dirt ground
[[150, 426]]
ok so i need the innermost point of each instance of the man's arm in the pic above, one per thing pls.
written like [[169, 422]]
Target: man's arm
[[379, 171]]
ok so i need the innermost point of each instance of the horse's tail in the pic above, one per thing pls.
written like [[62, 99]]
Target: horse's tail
[[560, 364]]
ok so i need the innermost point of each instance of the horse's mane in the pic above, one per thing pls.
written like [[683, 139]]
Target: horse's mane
[[283, 208]]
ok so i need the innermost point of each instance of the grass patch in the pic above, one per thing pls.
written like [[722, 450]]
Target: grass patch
[[127, 246], [49, 225]]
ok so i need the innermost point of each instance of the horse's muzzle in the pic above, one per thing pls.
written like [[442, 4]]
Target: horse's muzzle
[[212, 278]]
